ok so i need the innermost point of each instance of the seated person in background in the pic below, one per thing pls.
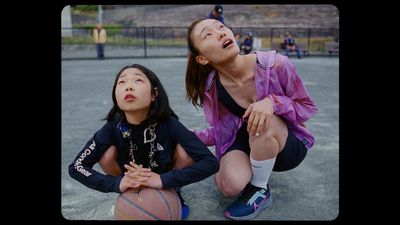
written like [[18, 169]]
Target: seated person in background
[[290, 45], [247, 45]]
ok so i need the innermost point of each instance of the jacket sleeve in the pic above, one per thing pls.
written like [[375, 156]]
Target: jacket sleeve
[[95, 36], [206, 135], [81, 169], [296, 104], [205, 163]]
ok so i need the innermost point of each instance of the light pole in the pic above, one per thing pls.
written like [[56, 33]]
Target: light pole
[[100, 14], [66, 22]]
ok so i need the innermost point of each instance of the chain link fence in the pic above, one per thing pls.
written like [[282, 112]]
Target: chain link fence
[[125, 42]]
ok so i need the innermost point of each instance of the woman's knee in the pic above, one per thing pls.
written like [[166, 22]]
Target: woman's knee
[[109, 155], [181, 159], [234, 173], [231, 187], [108, 162], [265, 143], [273, 140], [278, 130]]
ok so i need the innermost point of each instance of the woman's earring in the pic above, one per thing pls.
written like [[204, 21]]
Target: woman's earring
[[153, 97], [156, 91]]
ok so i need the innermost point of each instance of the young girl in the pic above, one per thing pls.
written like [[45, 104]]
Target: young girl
[[256, 106], [142, 130]]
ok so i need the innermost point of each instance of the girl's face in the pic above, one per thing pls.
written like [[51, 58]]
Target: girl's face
[[133, 91], [214, 40]]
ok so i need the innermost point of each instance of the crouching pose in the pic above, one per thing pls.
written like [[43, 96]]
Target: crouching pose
[[256, 105], [142, 144]]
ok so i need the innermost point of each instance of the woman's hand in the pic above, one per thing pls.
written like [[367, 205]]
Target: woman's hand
[[259, 114], [137, 176]]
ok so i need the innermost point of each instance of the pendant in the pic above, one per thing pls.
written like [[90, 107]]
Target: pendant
[[151, 132], [153, 164]]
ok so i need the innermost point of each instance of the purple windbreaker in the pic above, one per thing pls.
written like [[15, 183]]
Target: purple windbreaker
[[276, 78]]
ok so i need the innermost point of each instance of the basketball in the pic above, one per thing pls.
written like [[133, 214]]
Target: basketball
[[148, 204]]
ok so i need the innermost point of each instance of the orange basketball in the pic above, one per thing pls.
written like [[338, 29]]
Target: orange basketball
[[148, 204]]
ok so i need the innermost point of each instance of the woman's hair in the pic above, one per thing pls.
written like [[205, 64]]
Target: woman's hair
[[159, 108], [196, 73]]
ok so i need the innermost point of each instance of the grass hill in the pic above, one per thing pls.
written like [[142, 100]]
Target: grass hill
[[289, 16]]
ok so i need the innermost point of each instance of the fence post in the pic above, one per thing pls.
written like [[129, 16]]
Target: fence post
[[145, 42], [271, 37], [308, 40]]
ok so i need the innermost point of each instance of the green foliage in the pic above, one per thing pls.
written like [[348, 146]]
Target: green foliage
[[316, 43], [116, 36], [83, 26], [112, 29], [84, 8], [91, 26], [176, 42], [120, 40], [77, 40]]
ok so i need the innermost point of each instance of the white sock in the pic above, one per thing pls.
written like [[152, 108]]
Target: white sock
[[261, 171]]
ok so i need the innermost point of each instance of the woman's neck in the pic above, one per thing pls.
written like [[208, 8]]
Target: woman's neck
[[235, 70], [136, 117]]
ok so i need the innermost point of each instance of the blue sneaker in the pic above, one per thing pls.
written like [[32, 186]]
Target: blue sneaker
[[251, 201], [185, 206]]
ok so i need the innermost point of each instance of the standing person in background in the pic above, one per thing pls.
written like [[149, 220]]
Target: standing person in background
[[100, 38], [217, 14]]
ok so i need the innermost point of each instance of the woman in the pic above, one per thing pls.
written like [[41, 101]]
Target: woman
[[256, 106]]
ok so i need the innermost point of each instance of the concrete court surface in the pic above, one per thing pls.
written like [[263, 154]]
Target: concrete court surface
[[308, 192]]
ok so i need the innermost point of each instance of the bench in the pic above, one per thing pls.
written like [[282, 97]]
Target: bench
[[281, 47], [331, 47]]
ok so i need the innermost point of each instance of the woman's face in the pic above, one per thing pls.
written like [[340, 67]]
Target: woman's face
[[214, 40], [133, 91]]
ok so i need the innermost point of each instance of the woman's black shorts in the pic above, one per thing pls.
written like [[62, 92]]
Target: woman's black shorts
[[291, 155]]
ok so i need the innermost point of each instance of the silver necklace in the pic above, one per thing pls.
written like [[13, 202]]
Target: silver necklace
[[133, 147]]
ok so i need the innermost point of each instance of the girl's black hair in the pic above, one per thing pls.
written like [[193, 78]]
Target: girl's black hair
[[159, 108]]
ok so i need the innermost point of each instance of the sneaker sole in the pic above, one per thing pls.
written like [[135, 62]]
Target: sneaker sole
[[255, 213]]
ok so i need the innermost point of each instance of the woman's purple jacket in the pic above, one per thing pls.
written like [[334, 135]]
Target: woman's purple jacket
[[276, 78]]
